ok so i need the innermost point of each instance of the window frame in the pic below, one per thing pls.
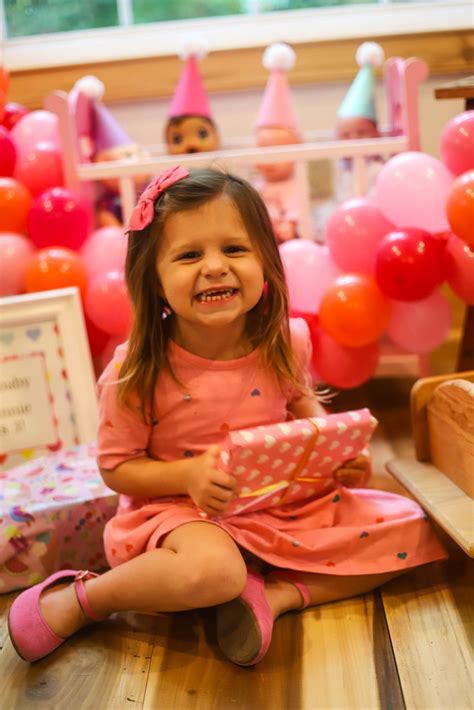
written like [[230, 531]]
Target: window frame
[[236, 32]]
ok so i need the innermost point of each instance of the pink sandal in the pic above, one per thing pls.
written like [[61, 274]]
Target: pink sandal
[[30, 635], [245, 624]]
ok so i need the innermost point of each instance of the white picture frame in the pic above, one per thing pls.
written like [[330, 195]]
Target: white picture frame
[[48, 397]]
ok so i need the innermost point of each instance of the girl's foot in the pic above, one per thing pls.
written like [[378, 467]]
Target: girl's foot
[[61, 610]]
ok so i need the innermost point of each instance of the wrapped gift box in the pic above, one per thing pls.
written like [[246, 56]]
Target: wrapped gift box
[[292, 461], [52, 516]]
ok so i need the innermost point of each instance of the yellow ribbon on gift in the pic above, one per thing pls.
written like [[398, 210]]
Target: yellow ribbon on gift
[[269, 490]]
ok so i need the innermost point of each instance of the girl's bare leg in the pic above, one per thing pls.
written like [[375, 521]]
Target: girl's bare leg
[[282, 595], [198, 565]]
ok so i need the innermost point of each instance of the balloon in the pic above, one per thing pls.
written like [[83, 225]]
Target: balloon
[[60, 217], [411, 191], [40, 168], [107, 303], [457, 143], [15, 203], [3, 80], [7, 153], [15, 250], [340, 366], [55, 267], [353, 232], [98, 339], [459, 265], [308, 270], [422, 325], [460, 207], [34, 128], [408, 264], [12, 114], [354, 311], [105, 250]]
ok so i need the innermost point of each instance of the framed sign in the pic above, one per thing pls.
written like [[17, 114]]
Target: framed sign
[[47, 384]]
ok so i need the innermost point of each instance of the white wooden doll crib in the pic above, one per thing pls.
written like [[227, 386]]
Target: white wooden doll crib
[[401, 80]]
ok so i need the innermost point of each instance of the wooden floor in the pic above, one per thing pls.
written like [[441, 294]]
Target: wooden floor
[[405, 646]]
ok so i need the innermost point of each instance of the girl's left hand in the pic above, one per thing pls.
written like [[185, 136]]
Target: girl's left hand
[[354, 473]]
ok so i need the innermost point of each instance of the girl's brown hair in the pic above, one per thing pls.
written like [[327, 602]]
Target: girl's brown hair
[[268, 326]]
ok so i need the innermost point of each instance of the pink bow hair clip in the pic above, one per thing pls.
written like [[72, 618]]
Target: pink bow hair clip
[[144, 210]]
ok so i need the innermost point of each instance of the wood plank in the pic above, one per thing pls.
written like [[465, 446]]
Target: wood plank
[[452, 509], [241, 69], [109, 661], [462, 89], [430, 616]]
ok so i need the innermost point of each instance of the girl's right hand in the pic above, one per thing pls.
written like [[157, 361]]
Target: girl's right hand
[[210, 488]]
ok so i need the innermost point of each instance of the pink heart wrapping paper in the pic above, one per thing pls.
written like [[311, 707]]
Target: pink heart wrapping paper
[[294, 460]]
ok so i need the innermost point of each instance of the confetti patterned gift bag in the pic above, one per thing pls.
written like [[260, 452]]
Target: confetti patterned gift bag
[[292, 461], [52, 516]]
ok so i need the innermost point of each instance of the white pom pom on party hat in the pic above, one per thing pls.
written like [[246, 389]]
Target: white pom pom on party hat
[[279, 56], [91, 86], [192, 45], [370, 53]]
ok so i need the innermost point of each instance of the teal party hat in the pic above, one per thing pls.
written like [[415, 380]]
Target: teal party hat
[[360, 98]]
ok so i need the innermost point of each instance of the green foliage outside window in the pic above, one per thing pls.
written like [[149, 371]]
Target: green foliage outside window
[[153, 11]]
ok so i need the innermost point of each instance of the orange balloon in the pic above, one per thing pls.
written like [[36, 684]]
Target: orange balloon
[[354, 311], [15, 203], [55, 267], [460, 207], [3, 80]]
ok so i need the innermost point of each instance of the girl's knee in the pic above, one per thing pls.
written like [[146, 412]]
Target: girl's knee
[[214, 580]]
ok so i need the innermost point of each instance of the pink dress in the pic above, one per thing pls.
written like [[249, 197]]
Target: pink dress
[[345, 532]]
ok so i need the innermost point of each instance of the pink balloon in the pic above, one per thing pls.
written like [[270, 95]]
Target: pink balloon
[[7, 153], [33, 128], [457, 143], [107, 304], [459, 265], [105, 250], [411, 191], [353, 232], [340, 366], [60, 217], [420, 326], [15, 251], [309, 269], [40, 168]]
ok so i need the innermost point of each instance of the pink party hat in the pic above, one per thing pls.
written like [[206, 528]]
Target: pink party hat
[[276, 108], [190, 97], [106, 131]]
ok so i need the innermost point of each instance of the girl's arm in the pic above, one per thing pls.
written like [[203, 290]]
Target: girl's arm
[[148, 478], [307, 405]]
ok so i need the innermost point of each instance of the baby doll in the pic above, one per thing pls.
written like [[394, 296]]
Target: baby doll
[[357, 118], [276, 125], [190, 128], [107, 141]]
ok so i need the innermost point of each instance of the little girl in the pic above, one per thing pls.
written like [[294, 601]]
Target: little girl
[[212, 350]]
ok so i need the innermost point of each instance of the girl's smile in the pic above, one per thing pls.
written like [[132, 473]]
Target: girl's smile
[[210, 272]]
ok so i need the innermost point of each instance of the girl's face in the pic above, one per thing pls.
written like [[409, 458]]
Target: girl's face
[[210, 272]]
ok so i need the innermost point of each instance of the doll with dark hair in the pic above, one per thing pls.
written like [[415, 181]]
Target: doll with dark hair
[[190, 127]]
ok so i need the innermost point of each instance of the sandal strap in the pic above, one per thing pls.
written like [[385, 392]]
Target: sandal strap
[[292, 577], [82, 597]]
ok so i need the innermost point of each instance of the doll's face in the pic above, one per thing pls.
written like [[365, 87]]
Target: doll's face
[[191, 134], [122, 152], [356, 127], [276, 136]]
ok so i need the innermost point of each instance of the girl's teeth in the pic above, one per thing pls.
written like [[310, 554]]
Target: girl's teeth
[[215, 296]]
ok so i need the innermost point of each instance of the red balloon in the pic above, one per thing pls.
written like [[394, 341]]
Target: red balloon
[[15, 203], [460, 207], [457, 143], [12, 114], [53, 268], [354, 311], [3, 80], [340, 366], [98, 339], [408, 265], [40, 168], [7, 154], [459, 260], [107, 303], [60, 217]]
